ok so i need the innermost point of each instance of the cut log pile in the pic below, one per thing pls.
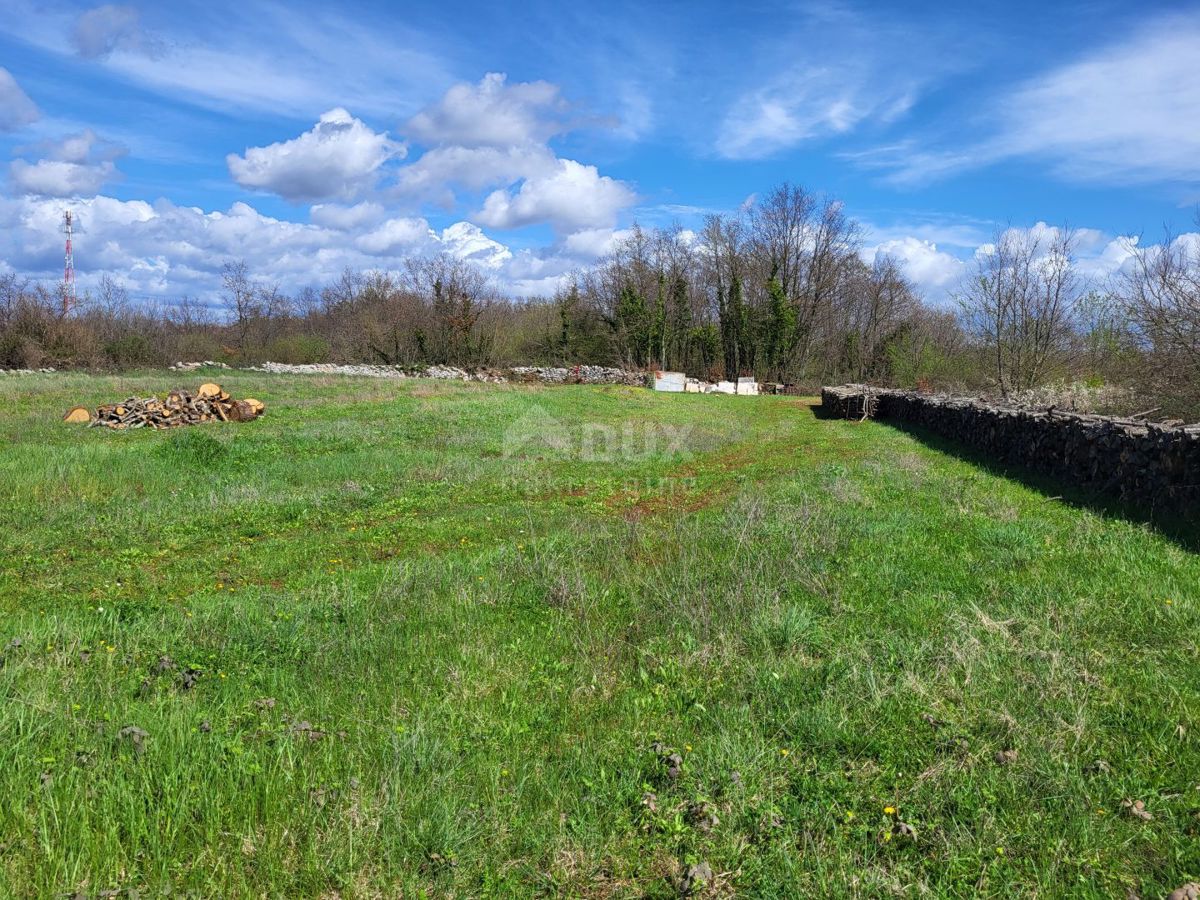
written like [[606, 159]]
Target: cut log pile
[[1152, 465], [210, 403]]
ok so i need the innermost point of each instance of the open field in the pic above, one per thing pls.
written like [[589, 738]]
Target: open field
[[422, 639]]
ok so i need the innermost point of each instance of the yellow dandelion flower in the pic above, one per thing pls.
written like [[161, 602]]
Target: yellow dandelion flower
[[889, 810], [783, 751]]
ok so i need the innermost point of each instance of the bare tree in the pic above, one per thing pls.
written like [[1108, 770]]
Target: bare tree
[[241, 299], [1161, 295], [457, 293], [1021, 303], [879, 299]]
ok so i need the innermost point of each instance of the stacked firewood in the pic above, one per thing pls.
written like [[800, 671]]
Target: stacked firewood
[[211, 403]]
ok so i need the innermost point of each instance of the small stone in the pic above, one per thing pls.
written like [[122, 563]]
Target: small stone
[[136, 736], [703, 817], [904, 830], [1137, 809], [698, 876]]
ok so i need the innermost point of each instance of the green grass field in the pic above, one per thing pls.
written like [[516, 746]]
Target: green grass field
[[426, 639]]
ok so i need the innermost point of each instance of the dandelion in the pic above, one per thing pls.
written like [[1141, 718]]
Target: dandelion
[[889, 810], [849, 815], [1169, 602], [687, 748], [887, 837], [783, 751], [999, 851]]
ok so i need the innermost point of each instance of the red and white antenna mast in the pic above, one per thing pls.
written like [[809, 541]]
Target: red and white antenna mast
[[68, 295]]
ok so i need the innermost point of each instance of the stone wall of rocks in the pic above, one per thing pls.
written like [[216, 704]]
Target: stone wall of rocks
[[533, 374], [1153, 466]]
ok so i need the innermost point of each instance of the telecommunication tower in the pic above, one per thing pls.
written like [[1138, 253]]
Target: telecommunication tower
[[68, 294]]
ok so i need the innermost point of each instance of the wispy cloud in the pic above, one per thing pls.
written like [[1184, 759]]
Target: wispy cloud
[[1125, 113], [16, 109], [835, 71], [259, 57]]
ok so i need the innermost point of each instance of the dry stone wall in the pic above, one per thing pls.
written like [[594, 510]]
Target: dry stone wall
[[1154, 466]]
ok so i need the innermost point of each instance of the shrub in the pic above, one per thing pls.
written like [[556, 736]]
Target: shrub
[[132, 350]]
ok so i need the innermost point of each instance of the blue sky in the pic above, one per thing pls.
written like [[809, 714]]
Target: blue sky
[[309, 137]]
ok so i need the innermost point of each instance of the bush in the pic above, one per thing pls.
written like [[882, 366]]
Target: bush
[[298, 348], [131, 350]]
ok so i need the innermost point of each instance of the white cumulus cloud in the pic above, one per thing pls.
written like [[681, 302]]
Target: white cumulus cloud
[[55, 178], [337, 159], [79, 165], [345, 218], [466, 240], [933, 272], [571, 198], [394, 236], [493, 113], [164, 250]]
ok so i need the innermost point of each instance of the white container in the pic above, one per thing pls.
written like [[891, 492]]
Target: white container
[[672, 382], [725, 387]]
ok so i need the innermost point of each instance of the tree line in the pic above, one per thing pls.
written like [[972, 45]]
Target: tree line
[[779, 291]]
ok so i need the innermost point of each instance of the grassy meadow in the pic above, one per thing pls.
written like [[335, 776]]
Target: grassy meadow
[[431, 639]]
